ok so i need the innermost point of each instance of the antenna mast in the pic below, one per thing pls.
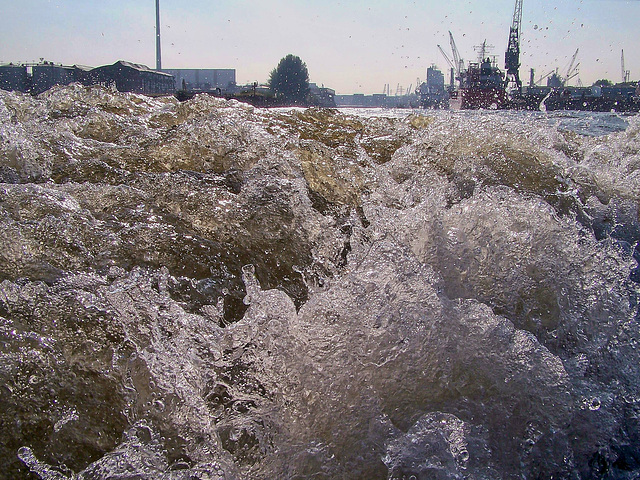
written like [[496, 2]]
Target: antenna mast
[[158, 54], [512, 55]]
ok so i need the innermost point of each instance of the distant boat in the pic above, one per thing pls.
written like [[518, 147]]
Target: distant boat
[[482, 86]]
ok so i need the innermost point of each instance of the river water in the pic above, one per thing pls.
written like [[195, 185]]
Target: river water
[[205, 290]]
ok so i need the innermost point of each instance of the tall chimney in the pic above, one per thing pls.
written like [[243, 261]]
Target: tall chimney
[[158, 54]]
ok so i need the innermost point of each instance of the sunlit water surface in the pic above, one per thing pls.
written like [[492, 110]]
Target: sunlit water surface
[[205, 290]]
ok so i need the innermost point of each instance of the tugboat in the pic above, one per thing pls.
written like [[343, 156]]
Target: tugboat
[[482, 85]]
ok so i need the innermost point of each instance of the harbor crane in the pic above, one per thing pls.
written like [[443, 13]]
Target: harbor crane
[[512, 55], [453, 69], [459, 62], [572, 71], [544, 77], [446, 57]]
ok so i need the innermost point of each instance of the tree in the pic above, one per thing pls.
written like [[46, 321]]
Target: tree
[[290, 80], [603, 83]]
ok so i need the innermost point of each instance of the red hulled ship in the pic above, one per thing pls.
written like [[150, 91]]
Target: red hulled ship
[[482, 85]]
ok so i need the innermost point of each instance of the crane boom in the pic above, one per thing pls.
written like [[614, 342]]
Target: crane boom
[[512, 55], [446, 57], [544, 77], [453, 69], [459, 63], [573, 67]]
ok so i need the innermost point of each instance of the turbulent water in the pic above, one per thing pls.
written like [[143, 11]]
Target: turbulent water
[[205, 290]]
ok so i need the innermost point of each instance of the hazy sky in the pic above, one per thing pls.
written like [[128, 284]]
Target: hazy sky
[[351, 46]]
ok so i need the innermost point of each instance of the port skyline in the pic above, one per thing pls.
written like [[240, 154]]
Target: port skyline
[[353, 47]]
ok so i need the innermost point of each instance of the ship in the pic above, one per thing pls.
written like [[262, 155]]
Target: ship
[[614, 98], [618, 98], [482, 85]]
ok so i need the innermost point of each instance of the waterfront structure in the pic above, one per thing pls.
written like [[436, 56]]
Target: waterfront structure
[[125, 76], [46, 75], [618, 98], [133, 77], [361, 100], [14, 77], [82, 74], [432, 92], [377, 100], [322, 96], [203, 79]]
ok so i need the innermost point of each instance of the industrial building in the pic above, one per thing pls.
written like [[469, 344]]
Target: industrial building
[[14, 77], [46, 75], [82, 74], [432, 92], [322, 96], [132, 77], [361, 100], [125, 76], [202, 79]]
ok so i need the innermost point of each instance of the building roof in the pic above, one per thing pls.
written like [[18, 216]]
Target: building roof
[[138, 66], [85, 68], [52, 65]]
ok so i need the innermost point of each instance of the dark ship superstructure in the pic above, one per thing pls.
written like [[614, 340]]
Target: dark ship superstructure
[[481, 86]]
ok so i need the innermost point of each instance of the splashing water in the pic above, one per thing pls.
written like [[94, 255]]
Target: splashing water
[[205, 290]]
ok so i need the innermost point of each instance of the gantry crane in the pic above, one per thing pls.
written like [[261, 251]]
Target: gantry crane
[[512, 55]]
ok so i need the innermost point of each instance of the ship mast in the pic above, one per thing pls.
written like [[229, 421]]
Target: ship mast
[[512, 55]]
